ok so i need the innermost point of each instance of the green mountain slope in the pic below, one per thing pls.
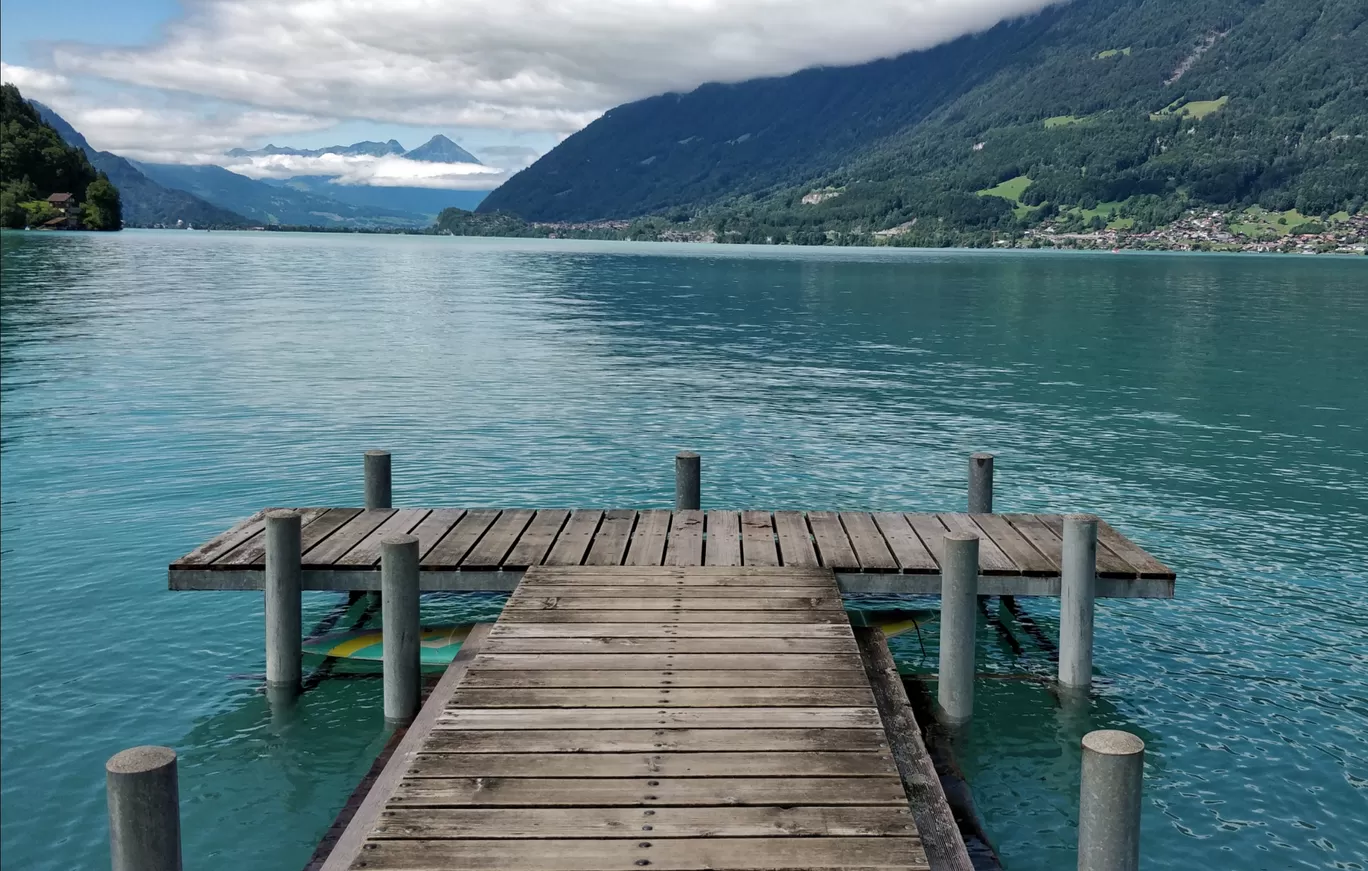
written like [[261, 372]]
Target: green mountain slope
[[1095, 112], [35, 163]]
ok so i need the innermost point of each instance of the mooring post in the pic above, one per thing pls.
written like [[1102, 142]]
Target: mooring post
[[400, 618], [688, 484], [1078, 582], [284, 666], [378, 481], [981, 484], [144, 809], [1109, 801], [959, 615]]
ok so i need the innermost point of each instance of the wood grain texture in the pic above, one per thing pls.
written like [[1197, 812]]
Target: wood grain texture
[[662, 661], [652, 532], [1109, 565], [316, 524], [536, 540], [992, 561], [448, 553], [825, 602], [795, 541], [609, 547], [572, 545], [647, 792], [757, 539], [435, 527], [722, 541], [328, 551], [498, 540], [833, 547], [685, 545], [713, 677], [367, 551], [669, 616], [224, 541], [650, 740], [663, 764], [617, 644], [1146, 565], [870, 548], [647, 630], [1018, 548], [663, 718], [666, 695]]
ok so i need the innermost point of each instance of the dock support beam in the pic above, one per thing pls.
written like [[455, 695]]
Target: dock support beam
[[1109, 801], [1077, 594], [959, 614], [688, 485], [284, 667], [981, 484], [144, 809], [400, 618], [378, 480]]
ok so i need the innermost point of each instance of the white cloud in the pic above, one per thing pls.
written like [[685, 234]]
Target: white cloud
[[357, 169], [34, 83]]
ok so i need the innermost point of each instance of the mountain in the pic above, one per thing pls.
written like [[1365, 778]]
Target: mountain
[[427, 202], [145, 203], [375, 149], [35, 164], [440, 149], [1120, 112]]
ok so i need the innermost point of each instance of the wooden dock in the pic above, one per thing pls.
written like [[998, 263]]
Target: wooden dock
[[491, 548], [654, 717]]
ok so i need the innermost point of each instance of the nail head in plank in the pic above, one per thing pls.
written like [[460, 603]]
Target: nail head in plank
[[722, 542], [685, 547], [497, 541], [705, 764], [537, 539], [652, 531], [573, 542], [868, 542], [448, 553], [651, 740], [833, 547], [795, 542], [907, 546]]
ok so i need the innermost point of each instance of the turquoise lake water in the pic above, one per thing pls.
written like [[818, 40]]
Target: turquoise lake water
[[156, 386]]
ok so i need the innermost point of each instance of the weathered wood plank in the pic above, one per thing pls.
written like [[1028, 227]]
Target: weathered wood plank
[[652, 740], [537, 539], [435, 527], [833, 547], [757, 539], [617, 616], [906, 545], [722, 542], [665, 697], [613, 644], [1109, 565], [705, 764], [497, 541], [685, 547], [652, 531], [643, 574], [643, 792], [664, 591], [1029, 527], [610, 542], [931, 532], [1017, 547], [663, 661], [448, 553], [665, 822], [992, 561], [624, 854], [722, 677], [224, 542], [367, 551], [1145, 564], [534, 602], [547, 576], [334, 547], [870, 548], [693, 630], [659, 718], [573, 542], [253, 551], [795, 542]]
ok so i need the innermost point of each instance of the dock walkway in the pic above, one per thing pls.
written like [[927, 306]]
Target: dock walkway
[[621, 718], [490, 548]]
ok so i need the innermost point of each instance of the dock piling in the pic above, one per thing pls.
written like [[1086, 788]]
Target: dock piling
[[144, 809], [959, 614], [1078, 583], [981, 484], [284, 667], [378, 480], [1109, 801], [688, 485], [400, 616]]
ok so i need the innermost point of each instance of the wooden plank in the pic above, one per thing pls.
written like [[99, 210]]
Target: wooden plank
[[367, 551], [925, 795], [651, 740], [665, 697], [497, 541], [552, 678], [666, 591], [931, 532], [757, 539], [1145, 564], [573, 542], [646, 630], [551, 577], [334, 547], [992, 561], [611, 644], [722, 543], [833, 547], [1018, 548], [674, 617], [610, 542], [1029, 527], [685, 547], [435, 526], [647, 547], [705, 764], [868, 542], [651, 574], [641, 792], [448, 553], [224, 541], [907, 546], [795, 542], [536, 540], [533, 602], [253, 551], [1109, 565], [663, 661], [625, 854], [659, 718], [665, 822]]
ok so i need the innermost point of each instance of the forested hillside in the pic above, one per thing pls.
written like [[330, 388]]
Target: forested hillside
[[1096, 113]]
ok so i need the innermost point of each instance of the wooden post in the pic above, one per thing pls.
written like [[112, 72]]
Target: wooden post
[[378, 481], [399, 611], [1078, 583], [959, 614], [284, 665], [144, 809], [688, 484], [981, 484], [1110, 790]]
